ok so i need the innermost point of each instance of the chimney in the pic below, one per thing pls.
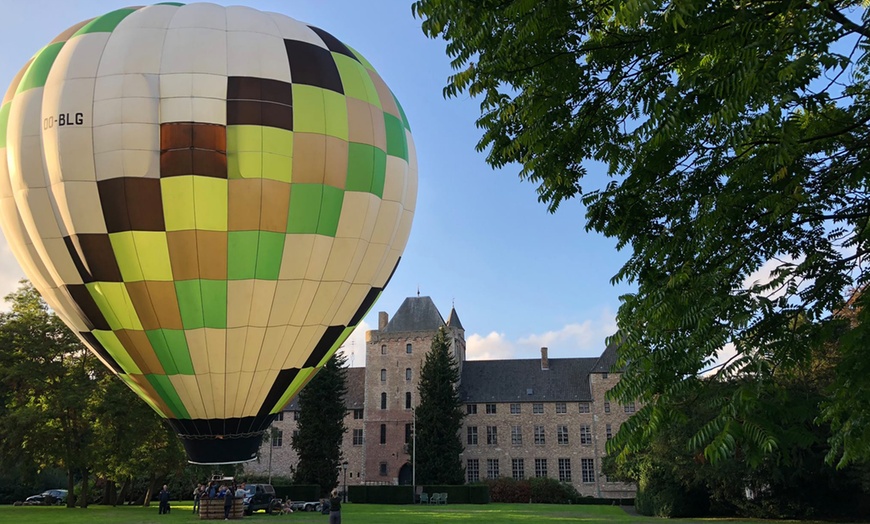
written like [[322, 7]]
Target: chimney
[[383, 320], [545, 362]]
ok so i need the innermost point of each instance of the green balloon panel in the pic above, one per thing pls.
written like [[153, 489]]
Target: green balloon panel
[[211, 197]]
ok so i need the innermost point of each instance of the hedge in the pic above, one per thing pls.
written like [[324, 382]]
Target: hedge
[[463, 494], [299, 492], [380, 494]]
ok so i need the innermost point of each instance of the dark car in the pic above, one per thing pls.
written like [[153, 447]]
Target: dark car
[[259, 496], [49, 497]]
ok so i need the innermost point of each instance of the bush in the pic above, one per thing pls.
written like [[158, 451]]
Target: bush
[[381, 494], [462, 494], [506, 489], [546, 490], [301, 492]]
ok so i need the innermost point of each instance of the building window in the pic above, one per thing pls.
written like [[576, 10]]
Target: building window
[[584, 407], [295, 415], [515, 408], [517, 435], [357, 414], [471, 409], [383, 433], [295, 434], [383, 349], [472, 435], [587, 470], [629, 408], [408, 349], [383, 401], [357, 437], [540, 467], [518, 469], [606, 407], [561, 407], [277, 438], [280, 417], [490, 409], [585, 435], [608, 432], [537, 408], [604, 376], [407, 373], [382, 469], [492, 435], [492, 468], [407, 433], [383, 375], [565, 470], [562, 434], [407, 400], [539, 436], [472, 468]]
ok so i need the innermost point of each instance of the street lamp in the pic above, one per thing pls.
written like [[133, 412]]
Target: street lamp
[[344, 467]]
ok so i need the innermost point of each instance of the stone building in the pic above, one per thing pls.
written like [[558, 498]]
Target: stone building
[[524, 417]]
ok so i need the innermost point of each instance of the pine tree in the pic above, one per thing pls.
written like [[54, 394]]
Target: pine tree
[[321, 426], [439, 417]]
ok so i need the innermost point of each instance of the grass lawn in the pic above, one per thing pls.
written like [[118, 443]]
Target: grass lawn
[[351, 514]]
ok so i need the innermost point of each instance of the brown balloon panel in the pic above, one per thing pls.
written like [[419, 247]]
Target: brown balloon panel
[[212, 198]]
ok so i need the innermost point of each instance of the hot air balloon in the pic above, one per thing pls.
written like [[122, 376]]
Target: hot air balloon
[[212, 198]]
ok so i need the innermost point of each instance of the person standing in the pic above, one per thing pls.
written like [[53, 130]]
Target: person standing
[[163, 497], [228, 502], [197, 495], [334, 507]]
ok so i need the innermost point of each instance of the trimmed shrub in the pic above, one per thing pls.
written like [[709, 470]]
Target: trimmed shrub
[[507, 489], [381, 494], [299, 492], [462, 494], [546, 490]]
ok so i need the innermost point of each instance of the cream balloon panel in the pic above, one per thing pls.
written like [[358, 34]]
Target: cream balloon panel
[[156, 78]]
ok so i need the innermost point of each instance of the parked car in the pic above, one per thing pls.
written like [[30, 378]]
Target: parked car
[[259, 496], [306, 506], [49, 497]]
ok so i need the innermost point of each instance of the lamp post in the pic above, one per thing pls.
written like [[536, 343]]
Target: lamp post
[[344, 467], [414, 454], [271, 445]]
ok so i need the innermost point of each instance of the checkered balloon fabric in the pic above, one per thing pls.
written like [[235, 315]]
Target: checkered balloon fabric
[[212, 198]]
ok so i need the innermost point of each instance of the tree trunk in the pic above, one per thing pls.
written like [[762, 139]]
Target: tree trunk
[[71, 488], [110, 493], [152, 481], [85, 481], [125, 488]]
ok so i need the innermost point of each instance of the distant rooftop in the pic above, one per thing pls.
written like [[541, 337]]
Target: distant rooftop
[[416, 314], [567, 380], [607, 360]]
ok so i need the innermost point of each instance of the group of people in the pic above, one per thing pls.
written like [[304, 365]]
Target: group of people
[[228, 492]]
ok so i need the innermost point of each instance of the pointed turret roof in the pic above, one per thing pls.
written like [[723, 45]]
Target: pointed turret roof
[[453, 320], [416, 314]]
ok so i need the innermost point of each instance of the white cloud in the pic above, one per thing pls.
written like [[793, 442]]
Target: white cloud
[[355, 346], [491, 347], [10, 272], [575, 339], [763, 275], [727, 352]]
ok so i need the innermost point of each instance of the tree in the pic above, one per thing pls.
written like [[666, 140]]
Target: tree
[[47, 376], [438, 418], [321, 426], [734, 135]]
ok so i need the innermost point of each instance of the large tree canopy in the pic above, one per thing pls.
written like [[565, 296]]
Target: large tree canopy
[[734, 135]]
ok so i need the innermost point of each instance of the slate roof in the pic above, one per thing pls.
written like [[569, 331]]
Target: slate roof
[[416, 314], [606, 360], [453, 319], [567, 380]]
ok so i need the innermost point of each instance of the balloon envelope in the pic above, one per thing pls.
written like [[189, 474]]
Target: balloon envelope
[[212, 198]]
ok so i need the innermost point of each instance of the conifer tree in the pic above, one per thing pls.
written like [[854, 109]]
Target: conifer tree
[[321, 426], [439, 417]]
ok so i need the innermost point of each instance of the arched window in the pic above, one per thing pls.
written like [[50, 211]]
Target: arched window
[[383, 401], [383, 349], [407, 373], [408, 400], [383, 375], [408, 348]]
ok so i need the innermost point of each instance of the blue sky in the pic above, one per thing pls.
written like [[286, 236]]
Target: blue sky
[[520, 277]]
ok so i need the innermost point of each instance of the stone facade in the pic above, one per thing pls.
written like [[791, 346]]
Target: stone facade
[[525, 418]]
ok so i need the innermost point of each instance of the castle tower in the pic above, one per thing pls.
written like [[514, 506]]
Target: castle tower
[[394, 356]]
